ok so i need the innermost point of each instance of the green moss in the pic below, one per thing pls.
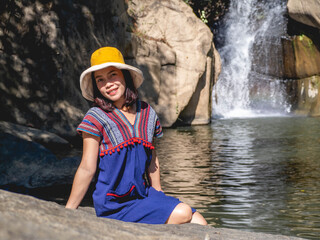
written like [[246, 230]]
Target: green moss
[[306, 44]]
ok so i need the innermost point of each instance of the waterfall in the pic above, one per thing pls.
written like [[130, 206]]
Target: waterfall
[[250, 82]]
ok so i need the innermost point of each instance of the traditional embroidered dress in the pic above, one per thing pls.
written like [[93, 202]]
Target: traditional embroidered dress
[[122, 191]]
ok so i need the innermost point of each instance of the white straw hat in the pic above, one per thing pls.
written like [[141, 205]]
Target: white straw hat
[[102, 58]]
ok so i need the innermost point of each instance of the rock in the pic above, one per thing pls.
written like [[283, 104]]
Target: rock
[[301, 57], [42, 54], [25, 162], [305, 12], [178, 62], [305, 96], [45, 138], [25, 217]]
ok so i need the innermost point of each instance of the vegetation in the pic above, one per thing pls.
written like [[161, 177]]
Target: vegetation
[[209, 11]]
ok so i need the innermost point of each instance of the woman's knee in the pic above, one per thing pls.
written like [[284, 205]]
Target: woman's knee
[[181, 214]]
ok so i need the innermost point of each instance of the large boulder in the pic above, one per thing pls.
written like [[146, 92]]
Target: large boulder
[[306, 12], [24, 217], [175, 50]]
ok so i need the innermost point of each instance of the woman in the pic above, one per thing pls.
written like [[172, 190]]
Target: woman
[[118, 131]]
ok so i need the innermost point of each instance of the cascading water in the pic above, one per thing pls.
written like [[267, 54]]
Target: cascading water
[[250, 81]]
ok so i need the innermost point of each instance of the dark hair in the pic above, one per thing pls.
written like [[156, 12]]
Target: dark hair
[[131, 93]]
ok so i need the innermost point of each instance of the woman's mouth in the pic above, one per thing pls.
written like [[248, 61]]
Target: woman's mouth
[[112, 92]]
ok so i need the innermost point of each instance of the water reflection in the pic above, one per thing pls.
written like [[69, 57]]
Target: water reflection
[[251, 174], [185, 164]]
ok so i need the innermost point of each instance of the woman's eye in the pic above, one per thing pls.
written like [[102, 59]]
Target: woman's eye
[[99, 80]]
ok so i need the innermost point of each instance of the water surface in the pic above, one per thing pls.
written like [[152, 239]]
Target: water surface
[[259, 174]]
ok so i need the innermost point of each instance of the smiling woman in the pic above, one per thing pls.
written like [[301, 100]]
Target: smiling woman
[[119, 131], [112, 82]]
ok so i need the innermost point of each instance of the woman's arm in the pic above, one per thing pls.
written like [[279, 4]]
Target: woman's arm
[[86, 170], [154, 172]]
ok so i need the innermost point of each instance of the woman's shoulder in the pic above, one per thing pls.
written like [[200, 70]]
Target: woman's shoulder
[[95, 112], [92, 110]]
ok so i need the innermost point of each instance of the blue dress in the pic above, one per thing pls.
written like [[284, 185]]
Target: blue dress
[[122, 189]]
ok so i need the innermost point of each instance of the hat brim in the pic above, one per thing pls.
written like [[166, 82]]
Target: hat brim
[[86, 82]]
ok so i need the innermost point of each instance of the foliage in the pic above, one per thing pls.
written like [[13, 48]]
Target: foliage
[[209, 11]]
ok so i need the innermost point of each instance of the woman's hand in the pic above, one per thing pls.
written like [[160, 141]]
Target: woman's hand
[[86, 170]]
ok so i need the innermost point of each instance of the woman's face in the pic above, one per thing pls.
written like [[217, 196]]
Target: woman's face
[[111, 83]]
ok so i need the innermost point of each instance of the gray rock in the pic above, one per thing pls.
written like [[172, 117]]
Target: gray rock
[[25, 217]]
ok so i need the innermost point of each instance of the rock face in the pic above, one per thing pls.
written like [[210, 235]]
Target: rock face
[[178, 61], [301, 57], [24, 217], [45, 45], [306, 12]]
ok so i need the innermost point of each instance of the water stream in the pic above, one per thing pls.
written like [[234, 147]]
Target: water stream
[[250, 47]]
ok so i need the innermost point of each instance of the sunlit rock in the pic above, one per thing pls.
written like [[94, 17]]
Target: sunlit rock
[[306, 12], [301, 57], [175, 51]]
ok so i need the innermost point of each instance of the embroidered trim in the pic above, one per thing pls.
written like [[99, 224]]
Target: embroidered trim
[[123, 195], [128, 143]]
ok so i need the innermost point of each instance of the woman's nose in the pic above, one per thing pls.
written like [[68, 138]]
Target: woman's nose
[[109, 84]]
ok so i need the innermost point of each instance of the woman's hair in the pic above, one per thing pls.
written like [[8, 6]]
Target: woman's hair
[[130, 94]]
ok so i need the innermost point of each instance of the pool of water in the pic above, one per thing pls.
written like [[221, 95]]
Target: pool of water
[[258, 174]]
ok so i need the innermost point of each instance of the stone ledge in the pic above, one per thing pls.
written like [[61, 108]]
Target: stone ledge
[[25, 217]]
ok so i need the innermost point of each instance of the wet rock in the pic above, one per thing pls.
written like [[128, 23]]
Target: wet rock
[[305, 96], [25, 217], [301, 57]]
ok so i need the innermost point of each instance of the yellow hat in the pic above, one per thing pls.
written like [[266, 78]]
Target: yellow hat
[[102, 58]]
